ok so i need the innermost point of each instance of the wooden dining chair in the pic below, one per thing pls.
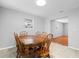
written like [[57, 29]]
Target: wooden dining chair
[[23, 33], [44, 46], [50, 37], [43, 50], [27, 50], [19, 46], [17, 43]]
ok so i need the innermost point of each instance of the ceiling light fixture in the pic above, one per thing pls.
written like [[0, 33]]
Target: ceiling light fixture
[[41, 2]]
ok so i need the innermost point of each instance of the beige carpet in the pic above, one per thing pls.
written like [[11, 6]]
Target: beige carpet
[[8, 53], [60, 51]]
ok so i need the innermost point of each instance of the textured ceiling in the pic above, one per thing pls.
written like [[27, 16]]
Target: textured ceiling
[[52, 8]]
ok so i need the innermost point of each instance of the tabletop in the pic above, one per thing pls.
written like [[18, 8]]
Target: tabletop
[[31, 39]]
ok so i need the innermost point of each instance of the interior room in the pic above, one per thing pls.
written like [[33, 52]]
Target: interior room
[[39, 28]]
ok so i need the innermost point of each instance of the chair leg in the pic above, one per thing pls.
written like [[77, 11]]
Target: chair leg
[[48, 56], [17, 56]]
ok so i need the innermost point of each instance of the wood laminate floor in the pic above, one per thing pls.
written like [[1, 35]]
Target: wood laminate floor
[[62, 40]]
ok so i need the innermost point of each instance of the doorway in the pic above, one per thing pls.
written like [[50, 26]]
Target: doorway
[[59, 29]]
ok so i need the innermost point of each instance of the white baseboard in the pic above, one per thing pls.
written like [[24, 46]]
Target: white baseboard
[[7, 47], [73, 48]]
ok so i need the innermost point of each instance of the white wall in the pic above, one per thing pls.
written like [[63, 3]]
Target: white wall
[[13, 21], [47, 26], [74, 28], [56, 28], [65, 29], [58, 31]]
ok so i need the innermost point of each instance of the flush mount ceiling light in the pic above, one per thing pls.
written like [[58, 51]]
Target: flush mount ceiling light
[[41, 2]]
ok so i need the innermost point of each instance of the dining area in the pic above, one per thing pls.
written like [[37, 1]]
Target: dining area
[[33, 46]]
